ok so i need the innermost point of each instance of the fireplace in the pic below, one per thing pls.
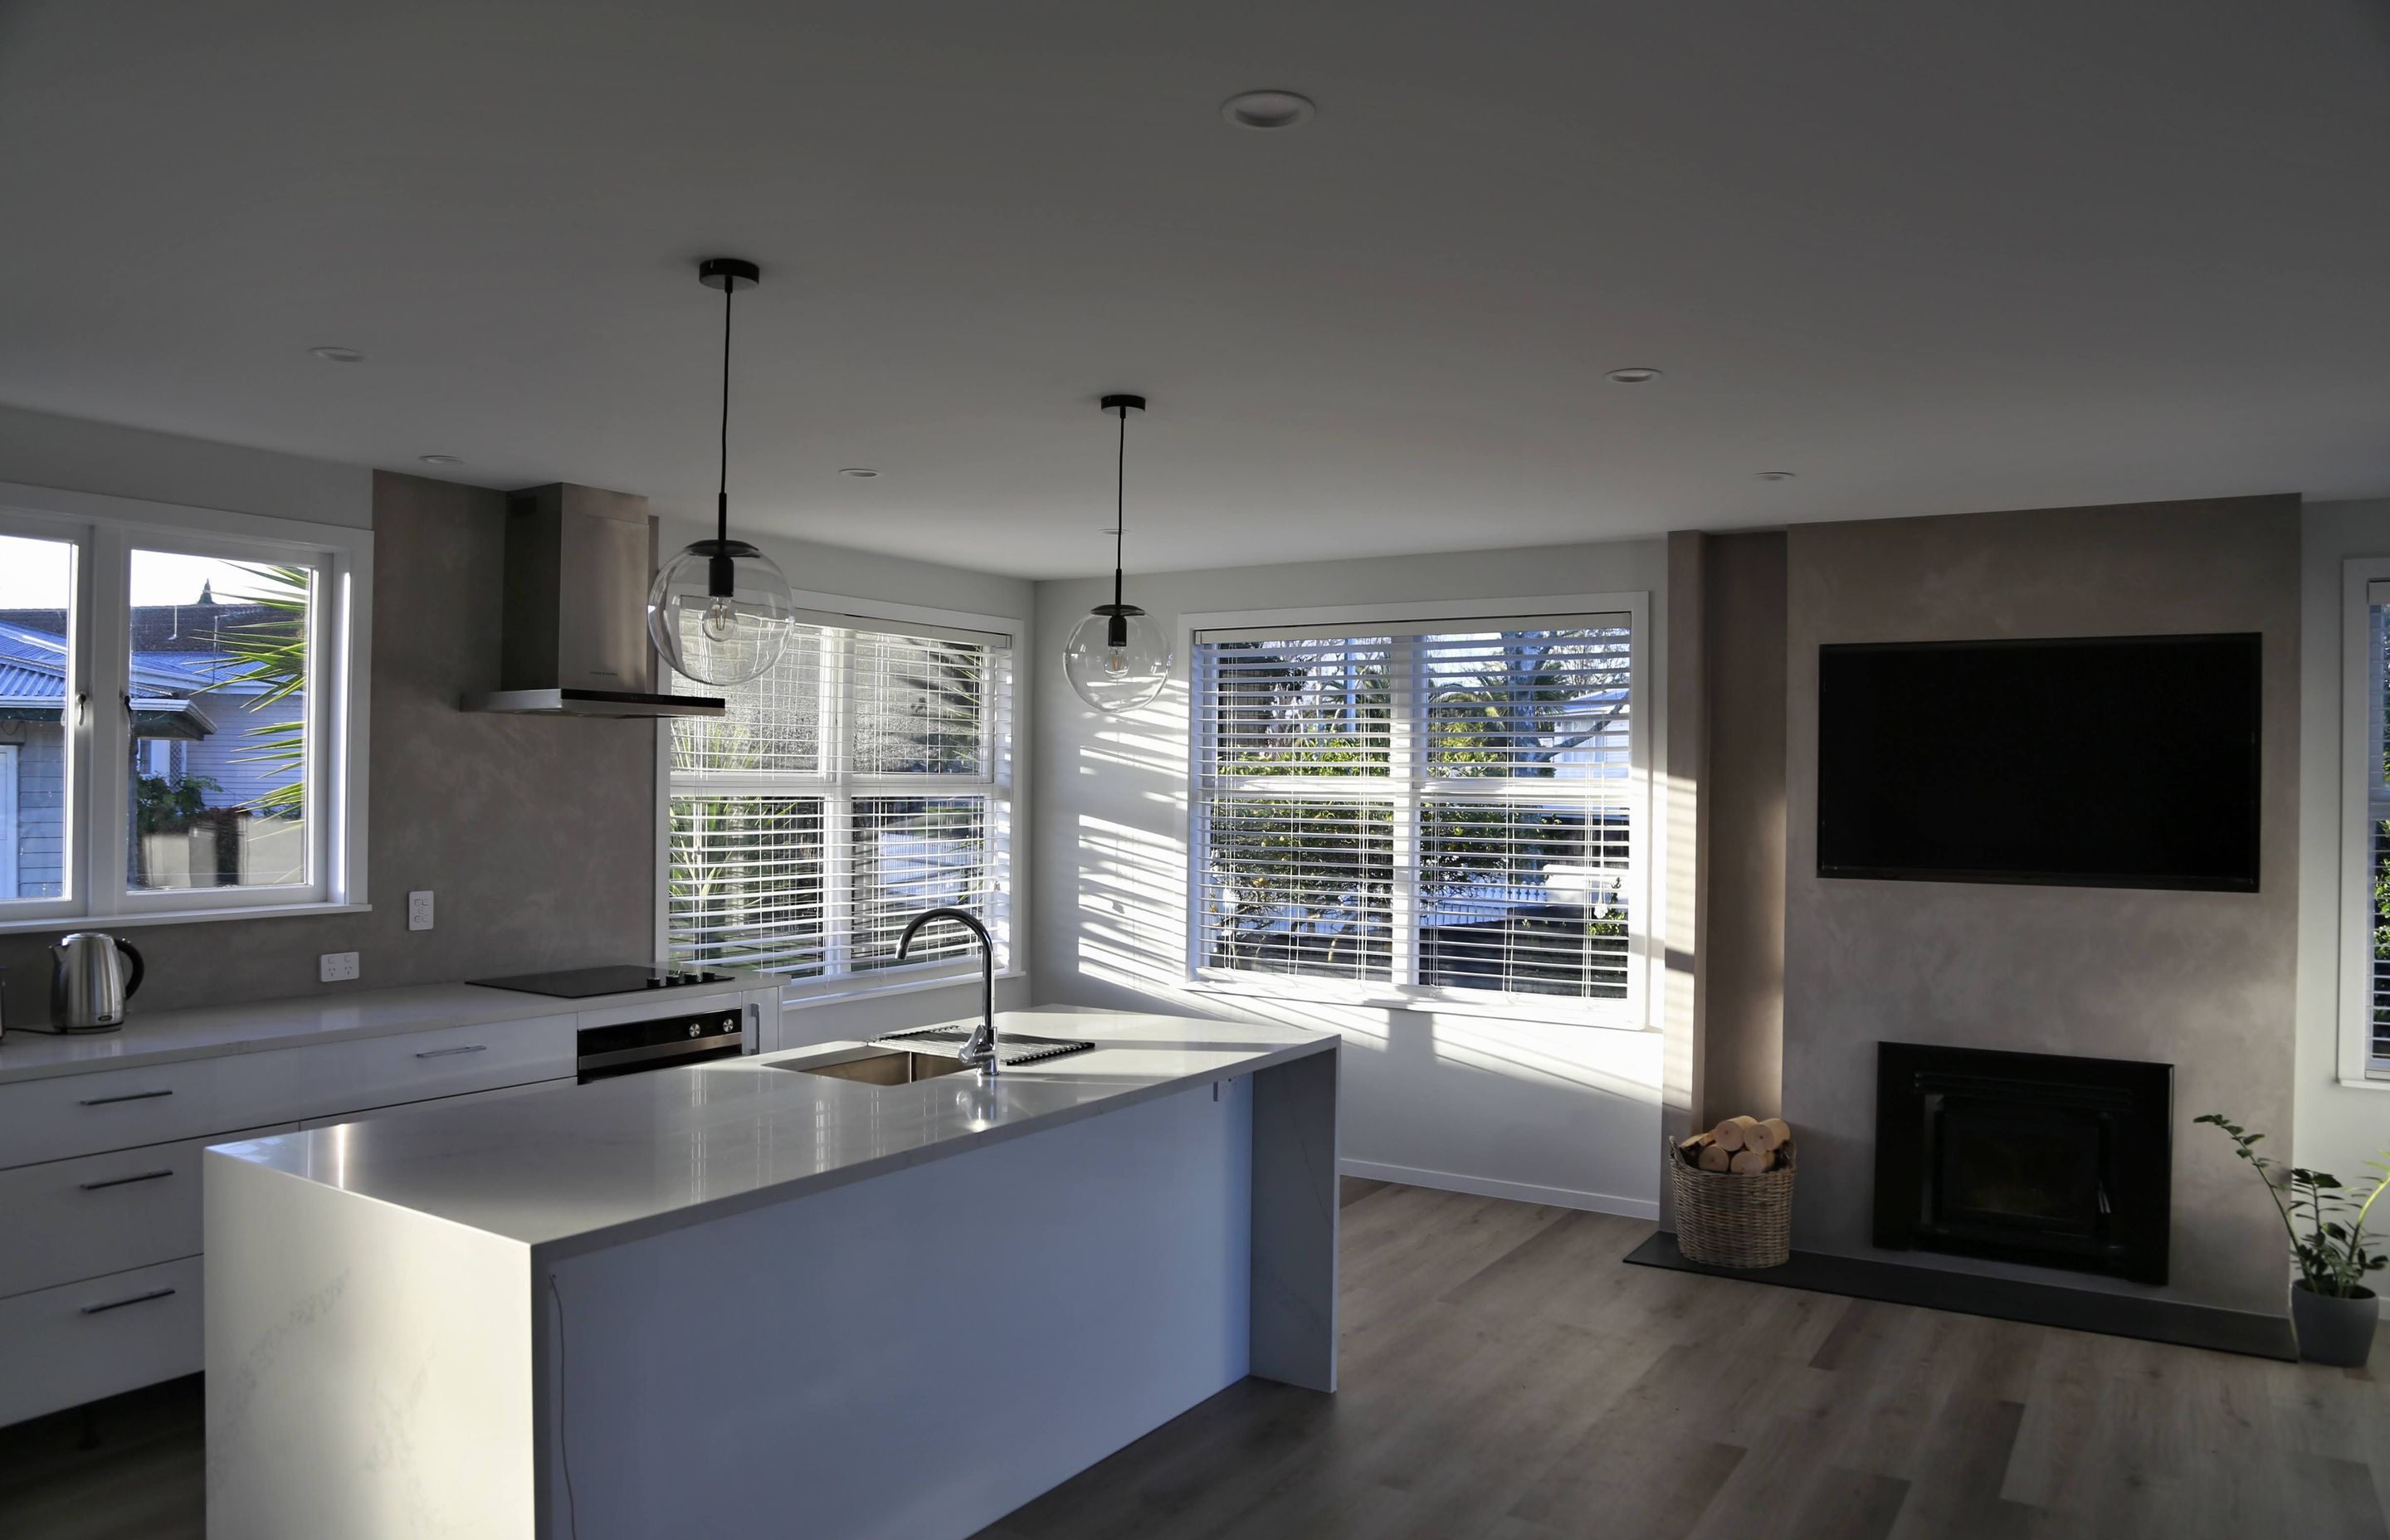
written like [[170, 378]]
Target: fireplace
[[2035, 1158]]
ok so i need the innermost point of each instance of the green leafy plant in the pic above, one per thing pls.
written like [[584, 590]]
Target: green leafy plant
[[162, 806], [2332, 1253], [272, 652]]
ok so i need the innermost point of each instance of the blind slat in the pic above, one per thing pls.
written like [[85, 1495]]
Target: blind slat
[[1467, 783], [854, 784]]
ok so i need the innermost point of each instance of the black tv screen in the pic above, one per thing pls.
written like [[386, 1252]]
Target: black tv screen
[[2121, 762]]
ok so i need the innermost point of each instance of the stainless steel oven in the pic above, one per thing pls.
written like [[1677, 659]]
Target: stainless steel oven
[[659, 1042]]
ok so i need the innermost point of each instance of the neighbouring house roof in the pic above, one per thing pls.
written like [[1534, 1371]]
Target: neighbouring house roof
[[164, 679]]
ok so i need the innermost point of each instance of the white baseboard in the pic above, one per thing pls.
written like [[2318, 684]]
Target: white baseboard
[[1522, 1192]]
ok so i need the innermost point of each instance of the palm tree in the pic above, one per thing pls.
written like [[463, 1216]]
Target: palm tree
[[271, 652]]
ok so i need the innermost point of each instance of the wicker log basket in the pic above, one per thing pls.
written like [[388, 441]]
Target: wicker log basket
[[1730, 1219]]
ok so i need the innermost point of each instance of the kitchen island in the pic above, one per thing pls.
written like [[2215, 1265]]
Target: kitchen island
[[752, 1298]]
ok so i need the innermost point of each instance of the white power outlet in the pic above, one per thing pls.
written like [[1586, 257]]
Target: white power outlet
[[334, 967], [418, 910]]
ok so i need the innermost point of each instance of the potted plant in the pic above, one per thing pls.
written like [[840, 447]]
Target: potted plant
[[2333, 1311]]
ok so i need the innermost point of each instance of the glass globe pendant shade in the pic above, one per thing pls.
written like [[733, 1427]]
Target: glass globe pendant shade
[[1117, 659], [720, 612]]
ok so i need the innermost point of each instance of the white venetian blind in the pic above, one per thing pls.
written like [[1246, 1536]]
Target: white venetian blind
[[863, 779], [1431, 810], [2377, 831]]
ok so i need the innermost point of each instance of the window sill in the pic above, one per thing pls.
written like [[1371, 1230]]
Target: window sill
[[2367, 1083], [1508, 1009], [175, 917], [908, 986]]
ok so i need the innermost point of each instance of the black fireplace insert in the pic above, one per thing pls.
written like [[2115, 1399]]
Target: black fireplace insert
[[2021, 1157]]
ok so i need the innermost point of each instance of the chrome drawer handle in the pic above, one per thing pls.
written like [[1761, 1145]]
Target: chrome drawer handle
[[118, 1304], [122, 1181], [443, 1053], [129, 1095]]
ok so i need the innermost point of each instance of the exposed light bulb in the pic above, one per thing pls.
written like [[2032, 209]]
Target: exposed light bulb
[[721, 622], [1116, 660]]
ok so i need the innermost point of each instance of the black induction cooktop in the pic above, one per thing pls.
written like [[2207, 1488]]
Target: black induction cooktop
[[579, 983]]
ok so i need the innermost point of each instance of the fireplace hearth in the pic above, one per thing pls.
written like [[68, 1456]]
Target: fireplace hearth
[[2045, 1158]]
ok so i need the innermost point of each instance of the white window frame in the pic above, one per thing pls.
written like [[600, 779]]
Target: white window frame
[[1635, 1012], [2362, 792], [839, 788], [104, 532]]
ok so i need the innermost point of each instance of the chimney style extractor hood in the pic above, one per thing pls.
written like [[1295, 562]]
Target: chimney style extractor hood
[[576, 628]]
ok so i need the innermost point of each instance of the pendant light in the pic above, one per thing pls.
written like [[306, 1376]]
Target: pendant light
[[720, 611], [1118, 659]]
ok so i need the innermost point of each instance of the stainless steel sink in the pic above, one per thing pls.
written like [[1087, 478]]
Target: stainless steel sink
[[1011, 1047], [902, 1057], [884, 1066]]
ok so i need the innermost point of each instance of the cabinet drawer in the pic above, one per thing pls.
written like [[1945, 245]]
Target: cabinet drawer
[[370, 1113], [64, 1116], [384, 1071], [65, 1219], [63, 1346], [69, 1115]]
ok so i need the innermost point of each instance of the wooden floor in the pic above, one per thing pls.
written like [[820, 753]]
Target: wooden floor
[[1507, 1378]]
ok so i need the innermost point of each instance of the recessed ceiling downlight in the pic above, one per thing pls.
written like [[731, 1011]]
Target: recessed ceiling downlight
[[1635, 376], [860, 472], [1775, 475], [1267, 110], [338, 355], [442, 460]]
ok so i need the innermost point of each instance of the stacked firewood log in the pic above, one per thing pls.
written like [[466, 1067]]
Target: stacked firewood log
[[1744, 1146]]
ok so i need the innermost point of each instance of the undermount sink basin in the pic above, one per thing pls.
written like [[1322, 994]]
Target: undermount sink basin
[[892, 1060], [1012, 1048], [884, 1066]]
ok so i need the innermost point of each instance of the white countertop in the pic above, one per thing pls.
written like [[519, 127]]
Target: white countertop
[[582, 1166], [161, 1037]]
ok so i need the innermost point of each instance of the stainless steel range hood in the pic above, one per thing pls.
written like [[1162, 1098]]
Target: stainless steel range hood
[[575, 630]]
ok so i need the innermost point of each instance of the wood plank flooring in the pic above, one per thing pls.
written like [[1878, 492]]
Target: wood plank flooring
[[1507, 1378]]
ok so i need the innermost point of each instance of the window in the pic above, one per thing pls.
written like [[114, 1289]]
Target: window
[[1445, 811], [178, 695], [865, 779], [2365, 991]]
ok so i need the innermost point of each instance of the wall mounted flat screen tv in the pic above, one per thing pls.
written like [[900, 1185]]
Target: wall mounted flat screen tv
[[2117, 761]]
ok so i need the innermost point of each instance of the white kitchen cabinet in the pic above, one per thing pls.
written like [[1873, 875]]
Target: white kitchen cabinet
[[65, 1219], [370, 1113], [343, 1078], [60, 1116], [69, 1115], [79, 1341], [100, 1163]]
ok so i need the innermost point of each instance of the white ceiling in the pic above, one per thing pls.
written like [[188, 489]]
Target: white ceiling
[[1930, 256]]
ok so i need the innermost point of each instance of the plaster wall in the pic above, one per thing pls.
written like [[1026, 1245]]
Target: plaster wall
[[45, 450], [2203, 981], [1743, 1006]]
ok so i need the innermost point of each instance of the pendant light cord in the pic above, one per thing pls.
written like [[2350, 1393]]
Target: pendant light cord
[[1119, 505], [722, 490]]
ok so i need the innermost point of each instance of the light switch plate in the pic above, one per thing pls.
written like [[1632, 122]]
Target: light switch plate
[[335, 967], [419, 909]]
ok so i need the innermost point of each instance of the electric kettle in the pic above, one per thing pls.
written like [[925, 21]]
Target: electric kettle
[[92, 976]]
